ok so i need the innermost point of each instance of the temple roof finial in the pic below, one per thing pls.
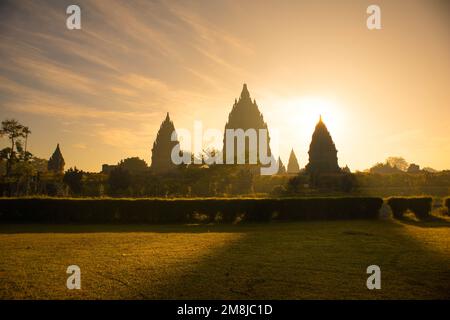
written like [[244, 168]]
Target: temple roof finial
[[245, 93]]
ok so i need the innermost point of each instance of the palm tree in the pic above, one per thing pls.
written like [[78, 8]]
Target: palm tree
[[26, 131], [14, 131]]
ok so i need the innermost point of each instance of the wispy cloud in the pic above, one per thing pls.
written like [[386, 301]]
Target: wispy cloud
[[132, 61]]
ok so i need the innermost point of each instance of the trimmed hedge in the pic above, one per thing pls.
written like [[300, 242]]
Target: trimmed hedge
[[165, 211], [420, 206]]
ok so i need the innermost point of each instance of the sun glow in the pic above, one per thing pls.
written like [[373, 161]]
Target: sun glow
[[297, 121], [303, 113]]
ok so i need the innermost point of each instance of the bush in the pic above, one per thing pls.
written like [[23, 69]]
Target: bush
[[420, 206], [162, 211], [398, 206]]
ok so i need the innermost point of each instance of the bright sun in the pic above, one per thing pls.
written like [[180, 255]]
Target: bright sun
[[305, 113], [312, 108], [299, 117]]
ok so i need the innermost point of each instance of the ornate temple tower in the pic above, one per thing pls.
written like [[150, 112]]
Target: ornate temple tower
[[56, 162], [322, 152], [245, 115], [162, 148]]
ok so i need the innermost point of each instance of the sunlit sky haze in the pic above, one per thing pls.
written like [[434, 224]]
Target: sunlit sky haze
[[102, 91]]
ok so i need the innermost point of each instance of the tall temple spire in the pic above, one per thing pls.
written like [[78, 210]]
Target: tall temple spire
[[246, 115], [162, 147]]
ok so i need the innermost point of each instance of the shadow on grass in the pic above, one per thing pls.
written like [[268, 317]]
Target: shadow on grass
[[433, 221], [319, 260]]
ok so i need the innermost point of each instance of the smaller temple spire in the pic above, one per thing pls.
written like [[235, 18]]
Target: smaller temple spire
[[281, 167], [293, 167], [56, 162]]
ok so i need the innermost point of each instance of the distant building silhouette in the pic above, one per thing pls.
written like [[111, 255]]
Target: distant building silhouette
[[293, 167], [162, 148], [56, 162], [322, 152], [245, 115], [107, 168]]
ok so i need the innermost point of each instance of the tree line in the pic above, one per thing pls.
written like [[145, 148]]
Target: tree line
[[23, 174]]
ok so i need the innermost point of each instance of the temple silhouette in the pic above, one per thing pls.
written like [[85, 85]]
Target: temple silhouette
[[322, 152], [56, 162], [245, 115], [293, 166], [162, 147]]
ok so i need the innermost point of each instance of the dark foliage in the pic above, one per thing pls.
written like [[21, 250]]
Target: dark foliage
[[119, 181], [420, 206], [160, 211], [133, 165], [51, 189], [73, 178]]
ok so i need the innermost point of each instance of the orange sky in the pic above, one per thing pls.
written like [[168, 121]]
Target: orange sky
[[102, 91]]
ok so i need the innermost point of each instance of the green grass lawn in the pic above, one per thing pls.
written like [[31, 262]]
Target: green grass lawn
[[307, 260]]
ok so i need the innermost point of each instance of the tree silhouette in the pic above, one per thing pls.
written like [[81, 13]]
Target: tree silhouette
[[14, 131], [384, 168], [133, 165], [27, 132], [119, 181], [413, 168], [73, 178], [398, 162]]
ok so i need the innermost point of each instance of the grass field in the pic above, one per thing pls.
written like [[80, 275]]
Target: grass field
[[308, 260]]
